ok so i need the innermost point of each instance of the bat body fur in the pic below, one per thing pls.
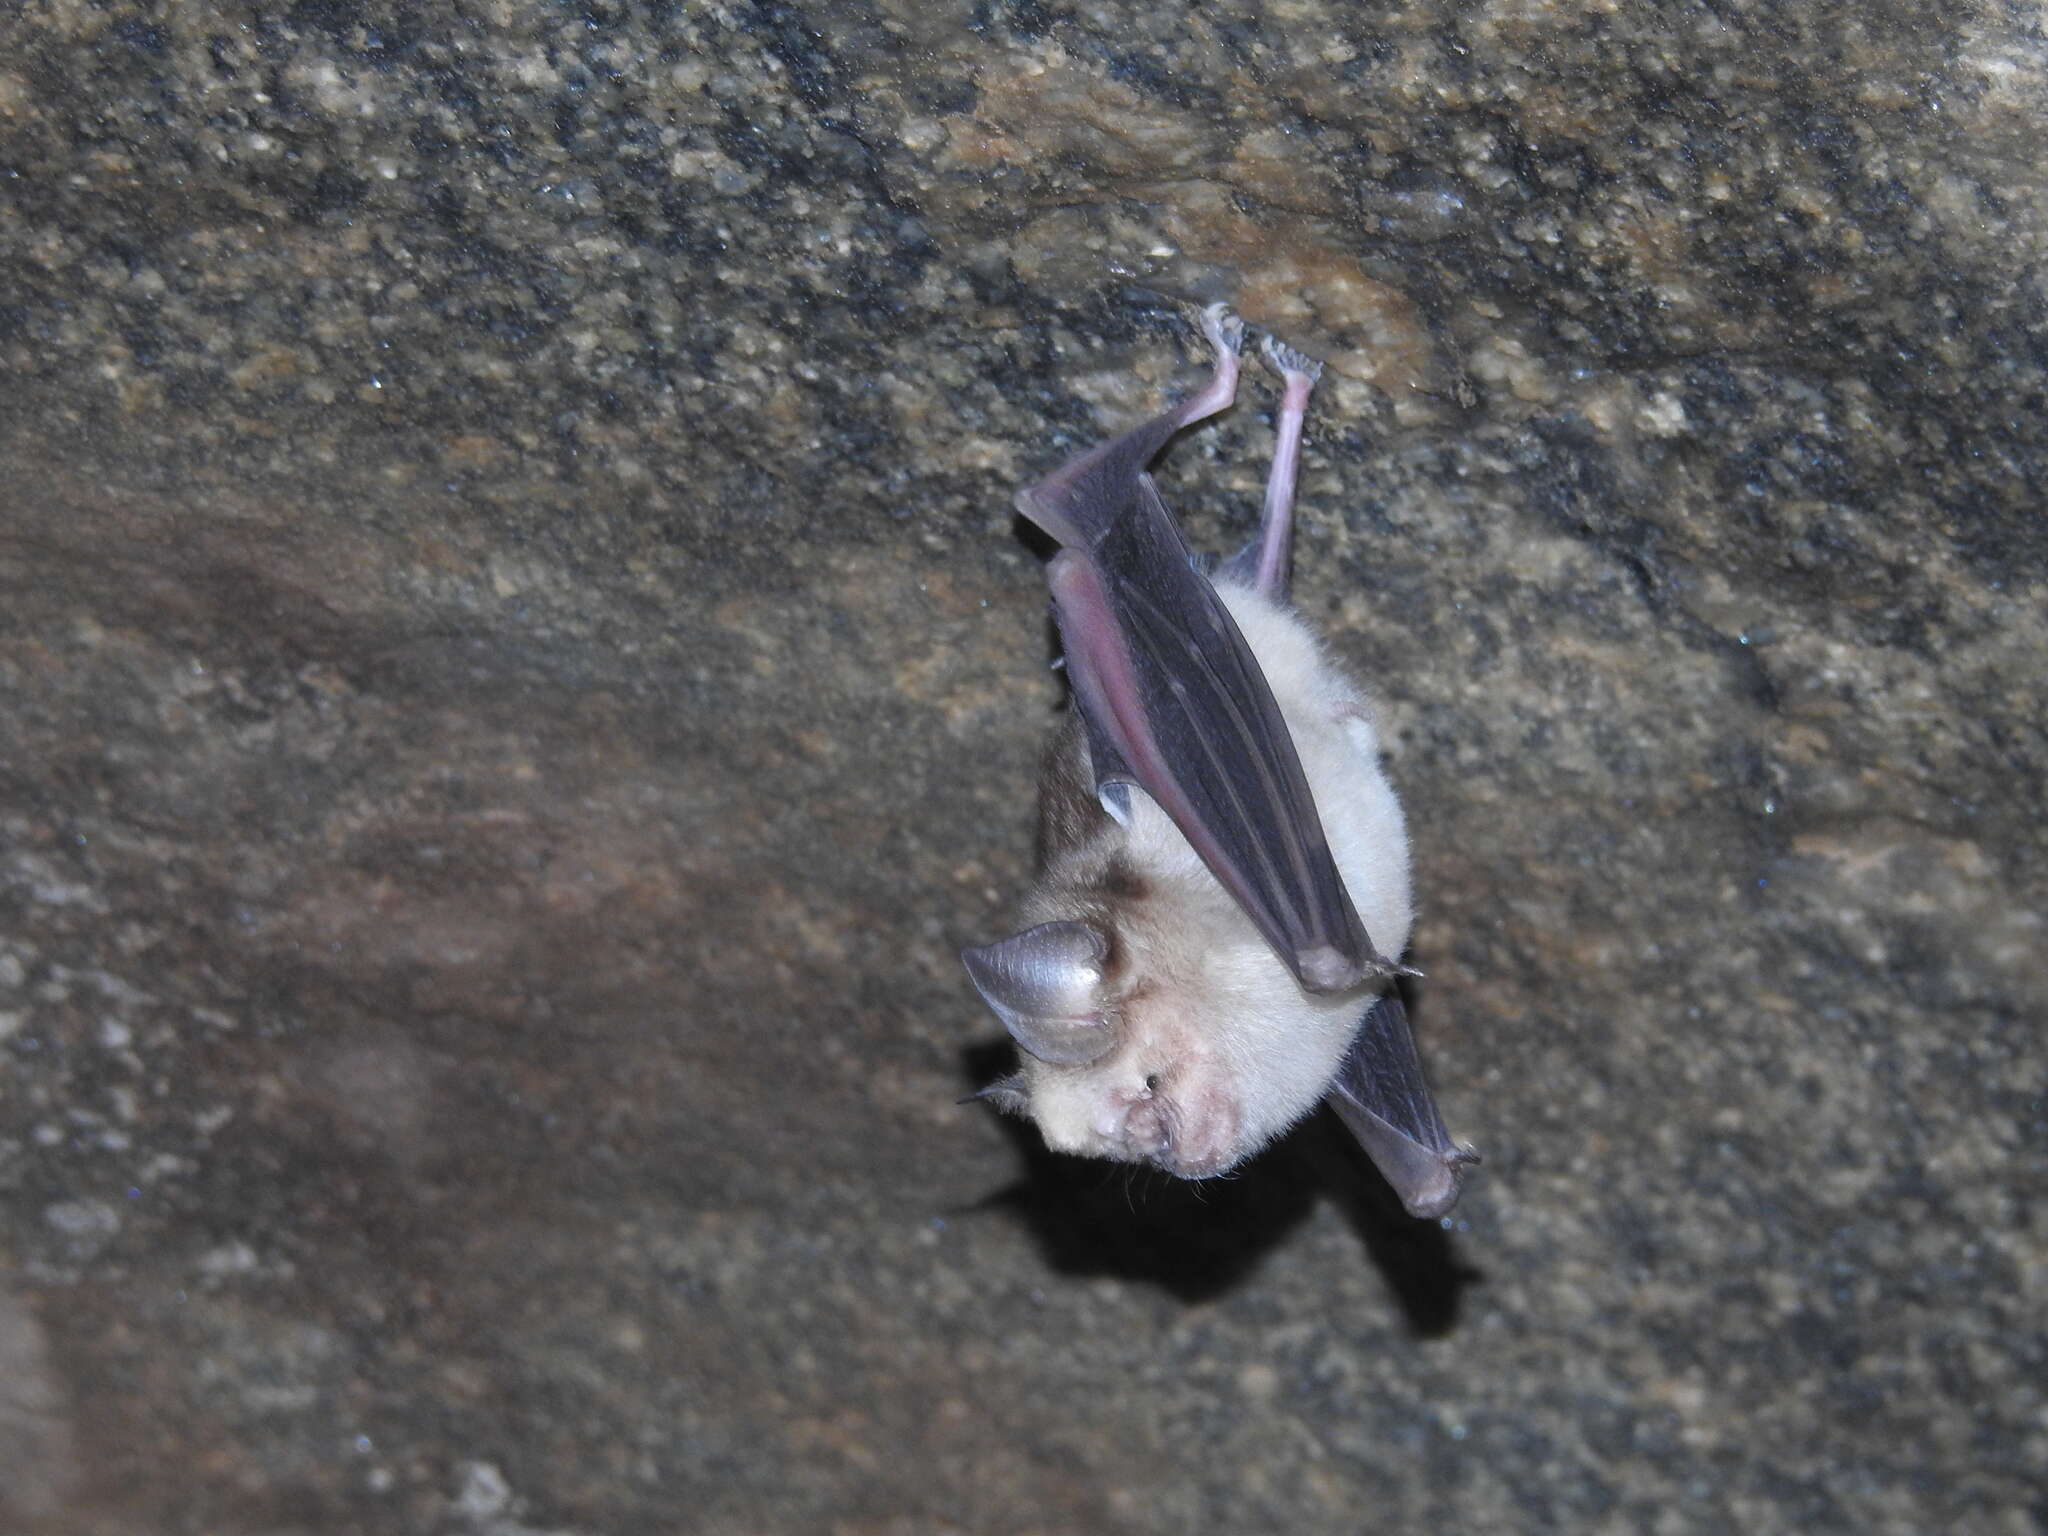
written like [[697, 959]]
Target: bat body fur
[[1234, 1051]]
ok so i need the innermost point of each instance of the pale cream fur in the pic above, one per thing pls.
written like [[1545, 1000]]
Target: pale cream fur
[[1220, 1050]]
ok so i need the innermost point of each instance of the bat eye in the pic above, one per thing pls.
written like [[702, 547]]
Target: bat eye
[[1151, 1082], [1043, 983]]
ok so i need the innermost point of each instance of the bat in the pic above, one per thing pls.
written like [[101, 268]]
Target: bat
[[1223, 867]]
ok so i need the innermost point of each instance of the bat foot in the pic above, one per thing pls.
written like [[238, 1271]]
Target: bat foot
[[1288, 363], [1225, 329]]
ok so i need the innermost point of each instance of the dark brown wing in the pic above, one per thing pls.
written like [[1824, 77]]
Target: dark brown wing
[[1175, 702]]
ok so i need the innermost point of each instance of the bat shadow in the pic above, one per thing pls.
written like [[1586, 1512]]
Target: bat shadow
[[1199, 1240]]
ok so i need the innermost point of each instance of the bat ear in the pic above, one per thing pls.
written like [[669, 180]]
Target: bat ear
[[1009, 1094], [1044, 984]]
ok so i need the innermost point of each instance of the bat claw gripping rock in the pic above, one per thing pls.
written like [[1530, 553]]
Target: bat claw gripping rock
[[1287, 362], [1225, 329]]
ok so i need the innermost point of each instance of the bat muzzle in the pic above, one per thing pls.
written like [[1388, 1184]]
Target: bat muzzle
[[1187, 1145]]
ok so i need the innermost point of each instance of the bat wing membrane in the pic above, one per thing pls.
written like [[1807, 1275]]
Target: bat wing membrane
[[1167, 682], [1381, 1096]]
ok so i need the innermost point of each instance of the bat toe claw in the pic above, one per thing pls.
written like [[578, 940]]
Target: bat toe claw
[[1225, 329], [1287, 362]]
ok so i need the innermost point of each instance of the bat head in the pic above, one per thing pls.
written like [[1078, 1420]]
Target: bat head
[[1148, 1052]]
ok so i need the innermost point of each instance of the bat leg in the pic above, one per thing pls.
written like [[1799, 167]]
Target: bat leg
[[1273, 572], [1225, 331], [1077, 503]]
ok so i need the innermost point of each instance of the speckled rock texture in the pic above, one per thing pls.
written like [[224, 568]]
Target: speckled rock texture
[[517, 674]]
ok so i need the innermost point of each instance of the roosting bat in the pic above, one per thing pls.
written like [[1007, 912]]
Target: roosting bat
[[1219, 849]]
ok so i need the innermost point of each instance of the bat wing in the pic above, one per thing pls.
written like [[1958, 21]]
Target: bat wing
[[1381, 1096], [1175, 702]]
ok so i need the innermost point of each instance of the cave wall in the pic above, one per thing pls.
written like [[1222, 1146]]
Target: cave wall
[[518, 674]]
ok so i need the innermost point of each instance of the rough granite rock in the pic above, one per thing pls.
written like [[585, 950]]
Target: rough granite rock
[[517, 674]]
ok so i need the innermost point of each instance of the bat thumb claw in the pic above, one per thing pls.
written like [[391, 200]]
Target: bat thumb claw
[[1385, 968], [1326, 968]]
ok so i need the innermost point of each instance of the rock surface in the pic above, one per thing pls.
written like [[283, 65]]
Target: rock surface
[[517, 675]]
